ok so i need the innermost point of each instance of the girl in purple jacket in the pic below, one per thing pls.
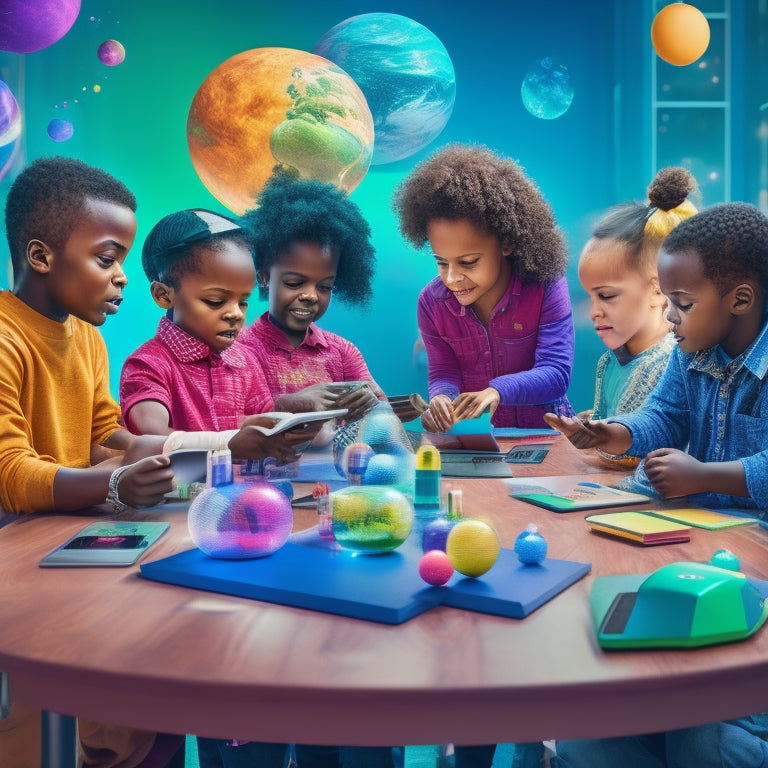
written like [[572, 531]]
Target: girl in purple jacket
[[497, 322]]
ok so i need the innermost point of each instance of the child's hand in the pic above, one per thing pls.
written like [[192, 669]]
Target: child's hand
[[145, 483], [469, 405], [675, 473], [252, 443], [359, 401], [612, 438], [316, 397], [439, 416]]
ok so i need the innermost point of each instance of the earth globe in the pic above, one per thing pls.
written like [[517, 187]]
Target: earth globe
[[405, 73], [277, 108]]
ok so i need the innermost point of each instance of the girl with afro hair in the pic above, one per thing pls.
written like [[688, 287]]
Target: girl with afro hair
[[496, 322]]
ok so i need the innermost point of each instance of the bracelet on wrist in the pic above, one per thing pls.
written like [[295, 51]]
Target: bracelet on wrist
[[112, 495]]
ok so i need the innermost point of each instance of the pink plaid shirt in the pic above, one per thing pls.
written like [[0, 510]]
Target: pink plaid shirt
[[321, 357], [201, 389]]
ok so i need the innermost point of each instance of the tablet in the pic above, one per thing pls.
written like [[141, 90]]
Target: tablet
[[107, 543]]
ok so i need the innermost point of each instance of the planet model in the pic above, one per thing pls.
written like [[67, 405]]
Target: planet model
[[680, 34], [405, 73], [10, 128], [270, 108], [60, 130], [27, 26], [546, 91], [111, 53]]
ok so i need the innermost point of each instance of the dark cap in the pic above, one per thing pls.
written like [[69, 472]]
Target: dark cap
[[167, 240]]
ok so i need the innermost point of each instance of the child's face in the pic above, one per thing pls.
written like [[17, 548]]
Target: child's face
[[471, 263], [85, 278], [300, 285], [701, 316], [626, 307], [210, 303]]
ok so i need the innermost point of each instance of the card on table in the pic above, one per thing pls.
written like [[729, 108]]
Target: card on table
[[639, 527]]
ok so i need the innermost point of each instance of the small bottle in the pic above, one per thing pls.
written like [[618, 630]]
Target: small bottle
[[455, 504], [426, 491], [321, 492]]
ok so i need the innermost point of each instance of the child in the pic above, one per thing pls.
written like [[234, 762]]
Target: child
[[69, 229], [617, 269], [497, 322], [702, 429], [188, 377], [311, 241]]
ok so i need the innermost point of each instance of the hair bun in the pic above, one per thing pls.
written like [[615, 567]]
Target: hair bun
[[671, 188]]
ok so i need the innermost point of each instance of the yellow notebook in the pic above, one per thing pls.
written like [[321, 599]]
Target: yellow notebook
[[641, 527], [702, 518]]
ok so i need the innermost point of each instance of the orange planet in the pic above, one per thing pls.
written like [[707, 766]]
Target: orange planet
[[680, 34], [271, 108]]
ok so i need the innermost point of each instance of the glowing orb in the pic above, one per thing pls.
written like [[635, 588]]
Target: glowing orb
[[370, 519], [272, 107], [31, 26], [473, 547], [241, 520], [10, 128], [530, 546], [405, 73], [680, 34], [111, 53], [435, 567], [60, 130], [546, 91]]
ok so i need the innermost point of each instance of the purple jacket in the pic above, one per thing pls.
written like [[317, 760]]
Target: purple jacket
[[526, 353]]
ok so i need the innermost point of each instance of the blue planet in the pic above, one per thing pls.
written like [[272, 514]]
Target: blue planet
[[405, 74], [546, 90], [60, 130]]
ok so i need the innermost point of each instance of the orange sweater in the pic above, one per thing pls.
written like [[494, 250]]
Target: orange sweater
[[54, 401]]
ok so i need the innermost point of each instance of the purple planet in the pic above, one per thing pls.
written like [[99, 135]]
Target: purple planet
[[111, 53], [27, 26], [60, 130]]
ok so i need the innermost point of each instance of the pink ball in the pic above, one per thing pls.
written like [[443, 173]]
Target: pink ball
[[435, 567]]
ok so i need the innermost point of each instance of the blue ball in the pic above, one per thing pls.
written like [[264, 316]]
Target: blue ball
[[435, 534], [382, 469], [724, 558], [530, 547]]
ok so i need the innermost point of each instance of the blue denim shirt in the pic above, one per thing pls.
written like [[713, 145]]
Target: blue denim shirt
[[716, 409]]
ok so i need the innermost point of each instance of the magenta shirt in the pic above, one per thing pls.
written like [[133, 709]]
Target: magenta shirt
[[526, 353], [202, 389], [321, 357]]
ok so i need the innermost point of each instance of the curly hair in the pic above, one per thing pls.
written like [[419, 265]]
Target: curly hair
[[495, 195], [47, 199], [298, 210], [641, 227], [731, 240]]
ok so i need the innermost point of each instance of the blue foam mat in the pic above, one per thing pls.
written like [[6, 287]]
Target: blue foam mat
[[309, 573]]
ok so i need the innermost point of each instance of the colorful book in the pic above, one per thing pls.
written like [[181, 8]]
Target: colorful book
[[641, 527], [562, 494], [703, 518]]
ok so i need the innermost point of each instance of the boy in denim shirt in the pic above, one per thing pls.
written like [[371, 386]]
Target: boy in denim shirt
[[703, 434]]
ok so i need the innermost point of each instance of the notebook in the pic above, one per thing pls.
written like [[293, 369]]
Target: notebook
[[703, 518], [563, 494], [640, 527]]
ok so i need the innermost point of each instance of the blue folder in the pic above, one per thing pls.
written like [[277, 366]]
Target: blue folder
[[309, 573]]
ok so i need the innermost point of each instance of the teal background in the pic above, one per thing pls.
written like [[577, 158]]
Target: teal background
[[598, 153]]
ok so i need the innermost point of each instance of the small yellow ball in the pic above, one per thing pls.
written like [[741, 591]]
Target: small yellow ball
[[472, 547]]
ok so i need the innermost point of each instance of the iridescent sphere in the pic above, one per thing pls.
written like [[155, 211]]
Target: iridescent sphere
[[546, 90], [10, 128], [111, 53], [240, 520], [370, 518], [60, 130]]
